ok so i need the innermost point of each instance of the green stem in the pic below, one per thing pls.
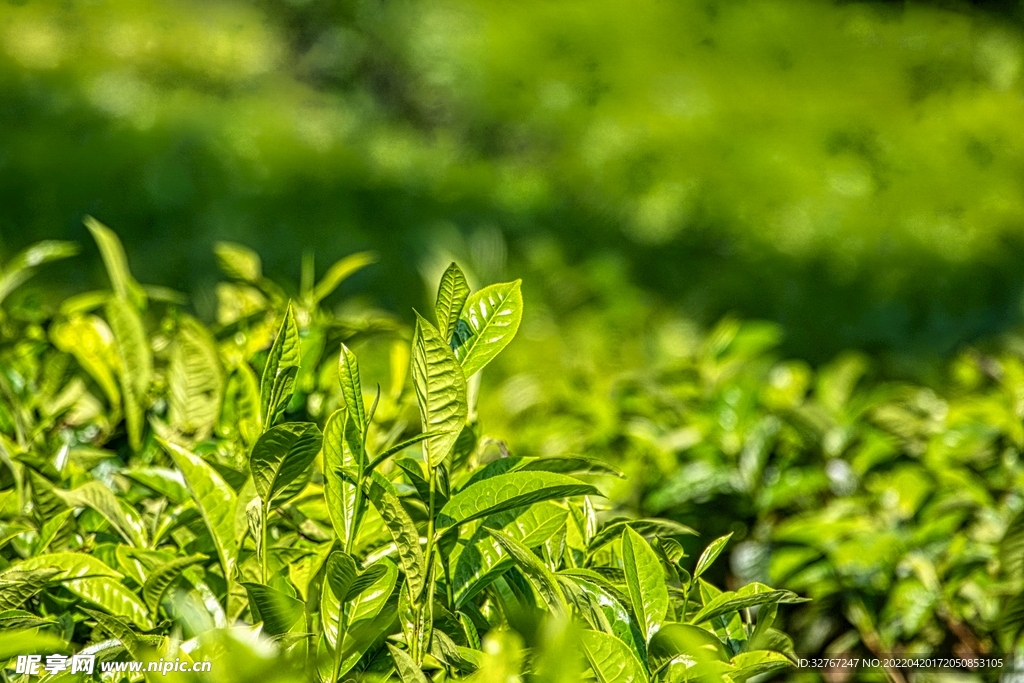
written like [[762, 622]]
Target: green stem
[[357, 508], [265, 510], [339, 642], [427, 598], [430, 528]]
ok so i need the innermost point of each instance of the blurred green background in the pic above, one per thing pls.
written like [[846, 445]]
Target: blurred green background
[[852, 171]]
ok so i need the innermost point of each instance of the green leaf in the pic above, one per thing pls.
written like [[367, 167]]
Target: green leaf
[[508, 491], [89, 339], [710, 554], [610, 659], [645, 582], [214, 498], [51, 528], [758, 663], [571, 464], [135, 369], [280, 370], [1011, 547], [683, 642], [113, 596], [534, 570], [365, 606], [440, 390], [195, 381], [646, 527], [16, 587], [123, 518], [351, 388], [240, 408], [340, 271], [483, 560], [112, 251], [338, 455], [163, 576], [404, 533], [24, 264], [70, 566], [345, 579], [451, 299], [164, 481], [408, 672], [747, 596], [278, 611], [238, 262], [281, 454], [491, 318], [120, 630], [398, 448]]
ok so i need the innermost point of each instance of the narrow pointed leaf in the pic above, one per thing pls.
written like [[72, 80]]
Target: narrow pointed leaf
[[645, 582], [339, 493], [24, 265], [112, 252], [710, 554], [747, 596], [490, 319], [351, 387], [135, 368], [340, 271], [451, 299], [535, 570], [279, 373], [440, 391], [214, 498]]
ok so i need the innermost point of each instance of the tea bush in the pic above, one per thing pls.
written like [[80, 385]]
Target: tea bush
[[234, 493], [894, 505]]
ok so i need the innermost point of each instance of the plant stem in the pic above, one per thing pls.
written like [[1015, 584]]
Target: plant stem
[[339, 642], [265, 509], [357, 508]]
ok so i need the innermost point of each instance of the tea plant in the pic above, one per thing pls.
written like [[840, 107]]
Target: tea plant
[[895, 506], [236, 494]]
